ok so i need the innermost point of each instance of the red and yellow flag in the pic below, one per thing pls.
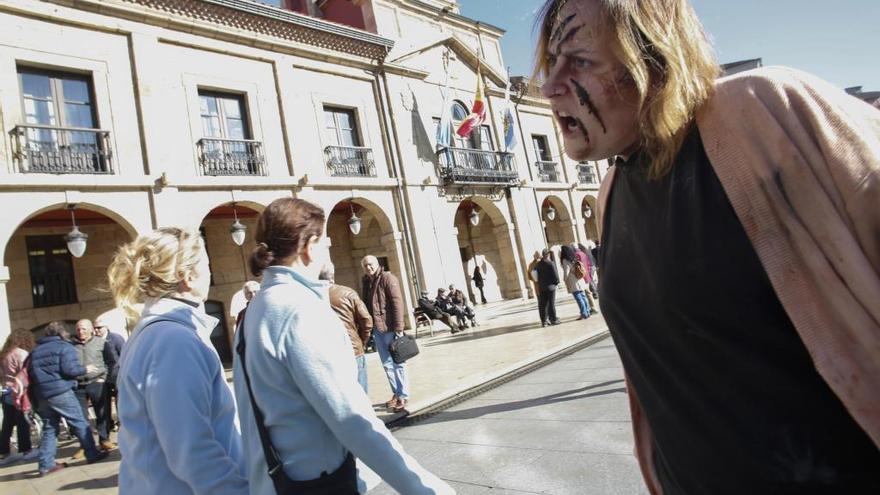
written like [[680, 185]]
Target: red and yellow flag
[[478, 111]]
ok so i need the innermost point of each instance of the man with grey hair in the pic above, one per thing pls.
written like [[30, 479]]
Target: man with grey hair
[[249, 289], [381, 292], [92, 387], [355, 317]]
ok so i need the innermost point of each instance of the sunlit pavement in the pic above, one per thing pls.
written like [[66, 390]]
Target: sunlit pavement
[[509, 338]]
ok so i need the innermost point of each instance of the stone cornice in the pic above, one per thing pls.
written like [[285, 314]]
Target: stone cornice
[[251, 17]]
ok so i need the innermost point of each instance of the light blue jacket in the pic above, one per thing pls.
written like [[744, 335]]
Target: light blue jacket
[[179, 433], [303, 374]]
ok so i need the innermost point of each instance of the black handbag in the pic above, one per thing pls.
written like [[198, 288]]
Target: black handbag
[[402, 348], [343, 481]]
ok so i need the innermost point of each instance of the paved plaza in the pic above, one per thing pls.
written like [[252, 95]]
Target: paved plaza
[[449, 366]]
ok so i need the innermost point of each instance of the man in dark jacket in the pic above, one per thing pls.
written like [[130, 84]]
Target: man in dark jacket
[[385, 301], [53, 371], [92, 388], [355, 317], [433, 312], [548, 280], [113, 343]]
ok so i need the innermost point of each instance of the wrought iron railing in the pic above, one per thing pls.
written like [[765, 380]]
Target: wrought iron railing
[[470, 166], [350, 161], [49, 149], [587, 174], [218, 156], [547, 171]]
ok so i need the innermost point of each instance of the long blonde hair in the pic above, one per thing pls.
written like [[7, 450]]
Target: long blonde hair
[[666, 53], [152, 266]]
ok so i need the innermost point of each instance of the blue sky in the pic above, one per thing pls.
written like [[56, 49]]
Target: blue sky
[[838, 41]]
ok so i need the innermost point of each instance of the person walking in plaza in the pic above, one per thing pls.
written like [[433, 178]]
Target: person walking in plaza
[[355, 317], [53, 371], [740, 253], [384, 300], [92, 388], [458, 299], [178, 430], [249, 290], [594, 271], [295, 380], [479, 280], [113, 343], [547, 283], [573, 271], [13, 356], [532, 273], [589, 270], [432, 311]]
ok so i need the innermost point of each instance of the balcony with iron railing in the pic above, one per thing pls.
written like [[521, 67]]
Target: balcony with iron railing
[[350, 161], [472, 166], [220, 156], [49, 149], [547, 171], [587, 174]]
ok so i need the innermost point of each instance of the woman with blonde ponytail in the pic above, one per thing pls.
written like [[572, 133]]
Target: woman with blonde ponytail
[[178, 432]]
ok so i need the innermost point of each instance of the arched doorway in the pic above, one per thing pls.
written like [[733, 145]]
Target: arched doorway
[[374, 236], [47, 282], [484, 242], [229, 265], [558, 222], [588, 211]]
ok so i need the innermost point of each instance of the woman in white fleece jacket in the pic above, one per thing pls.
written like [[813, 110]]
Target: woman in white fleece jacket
[[302, 371]]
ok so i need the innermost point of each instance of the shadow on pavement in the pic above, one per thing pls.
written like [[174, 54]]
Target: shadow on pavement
[[476, 334], [92, 484], [564, 396]]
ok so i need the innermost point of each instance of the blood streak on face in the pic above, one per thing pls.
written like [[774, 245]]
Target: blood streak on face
[[560, 27], [583, 129], [585, 100]]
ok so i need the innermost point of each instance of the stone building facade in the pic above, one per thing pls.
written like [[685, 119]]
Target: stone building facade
[[197, 113]]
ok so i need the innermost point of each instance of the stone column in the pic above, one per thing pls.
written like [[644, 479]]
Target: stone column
[[5, 323], [505, 234]]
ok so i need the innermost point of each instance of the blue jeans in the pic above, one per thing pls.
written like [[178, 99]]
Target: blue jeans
[[581, 298], [52, 410], [396, 373], [362, 371]]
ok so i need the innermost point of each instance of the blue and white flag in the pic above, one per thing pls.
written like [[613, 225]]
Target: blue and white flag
[[444, 129], [507, 121]]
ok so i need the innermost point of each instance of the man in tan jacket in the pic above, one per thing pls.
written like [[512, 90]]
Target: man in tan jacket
[[354, 316]]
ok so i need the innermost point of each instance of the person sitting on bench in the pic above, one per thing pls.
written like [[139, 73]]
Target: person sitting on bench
[[433, 312], [460, 301], [445, 304]]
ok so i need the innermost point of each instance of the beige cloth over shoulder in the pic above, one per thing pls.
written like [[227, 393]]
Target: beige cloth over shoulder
[[800, 162]]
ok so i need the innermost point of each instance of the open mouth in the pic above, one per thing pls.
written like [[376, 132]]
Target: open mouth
[[567, 122]]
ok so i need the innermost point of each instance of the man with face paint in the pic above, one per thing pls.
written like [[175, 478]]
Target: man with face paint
[[740, 252]]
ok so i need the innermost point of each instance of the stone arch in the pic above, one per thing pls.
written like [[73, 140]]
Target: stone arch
[[487, 245], [46, 283], [591, 228], [558, 229], [229, 264], [88, 206], [377, 237]]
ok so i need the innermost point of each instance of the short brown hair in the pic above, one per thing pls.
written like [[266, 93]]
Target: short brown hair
[[283, 230]]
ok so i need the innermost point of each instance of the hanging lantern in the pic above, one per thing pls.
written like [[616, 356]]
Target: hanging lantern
[[551, 213], [76, 240], [588, 212], [237, 230], [474, 217], [354, 223]]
